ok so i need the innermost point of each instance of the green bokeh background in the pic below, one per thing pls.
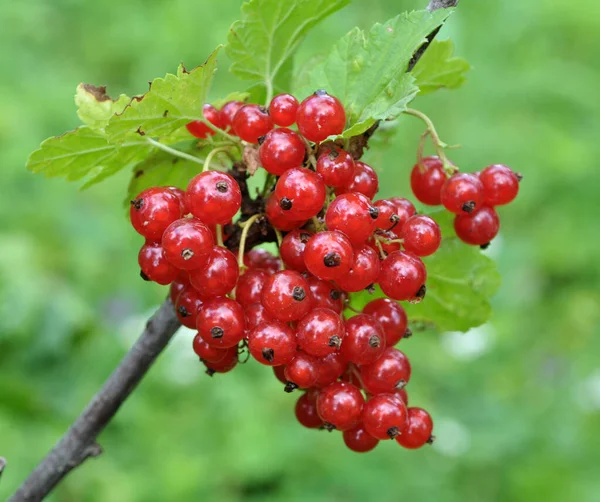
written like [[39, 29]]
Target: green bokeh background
[[516, 403]]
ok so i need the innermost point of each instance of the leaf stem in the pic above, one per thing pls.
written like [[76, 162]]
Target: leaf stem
[[211, 156], [213, 127], [173, 151], [220, 235], [245, 229]]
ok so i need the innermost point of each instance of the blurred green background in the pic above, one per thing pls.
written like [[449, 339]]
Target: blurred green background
[[516, 403]]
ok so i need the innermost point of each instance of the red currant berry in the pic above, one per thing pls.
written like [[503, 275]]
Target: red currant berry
[[387, 217], [281, 149], [331, 367], [364, 271], [272, 343], [422, 235], [279, 218], [477, 228], [353, 215], [261, 259], [462, 193], [286, 296], [401, 395], [404, 209], [392, 318], [256, 315], [359, 440], [187, 307], [279, 372], [283, 109], [336, 167], [221, 323], [319, 116], [385, 417], [426, 181], [292, 249], [388, 373], [364, 341], [250, 286], [340, 405], [301, 193], [187, 243], [301, 372], [306, 411], [225, 365], [402, 277], [500, 185], [177, 286], [418, 433], [211, 354], [180, 194], [153, 210], [320, 332], [227, 113], [219, 276], [214, 197], [154, 266], [326, 295], [199, 129], [329, 255], [251, 122], [365, 181]]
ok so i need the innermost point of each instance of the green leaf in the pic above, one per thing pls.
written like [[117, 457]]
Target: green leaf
[[86, 152], [262, 43], [460, 282], [438, 68], [367, 71], [234, 96], [170, 103], [95, 107]]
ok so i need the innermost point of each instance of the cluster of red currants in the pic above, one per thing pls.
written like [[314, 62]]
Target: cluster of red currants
[[292, 312]]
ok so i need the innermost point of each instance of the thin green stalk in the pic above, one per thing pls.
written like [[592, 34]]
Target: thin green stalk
[[175, 152]]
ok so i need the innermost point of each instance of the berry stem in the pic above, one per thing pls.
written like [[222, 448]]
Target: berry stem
[[175, 152], [211, 156], [214, 128], [220, 235], [245, 229]]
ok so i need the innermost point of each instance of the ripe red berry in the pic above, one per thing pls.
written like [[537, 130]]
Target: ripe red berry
[[272, 343], [391, 316], [302, 371], [426, 180], [281, 149], [211, 354], [401, 395], [256, 315], [462, 193], [278, 217], [353, 215], [419, 429], [404, 209], [326, 295], [422, 235], [154, 266], [177, 286], [221, 323], [260, 258], [292, 249], [180, 194], [219, 276], [187, 307], [387, 217], [340, 405], [199, 129], [153, 210], [388, 373], [225, 365], [385, 417], [336, 167], [365, 181], [364, 341], [320, 332], [214, 197], [402, 277], [283, 109], [329, 255], [187, 243], [359, 440], [500, 185], [227, 113], [306, 411], [319, 116], [279, 372], [286, 296], [251, 122], [250, 286], [477, 228], [331, 367], [364, 271], [301, 193]]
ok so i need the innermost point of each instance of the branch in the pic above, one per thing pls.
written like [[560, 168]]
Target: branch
[[2, 465]]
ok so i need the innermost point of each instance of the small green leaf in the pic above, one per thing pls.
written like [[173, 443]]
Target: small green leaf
[[95, 107], [170, 103], [234, 96], [438, 68], [262, 43], [367, 71], [460, 282]]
